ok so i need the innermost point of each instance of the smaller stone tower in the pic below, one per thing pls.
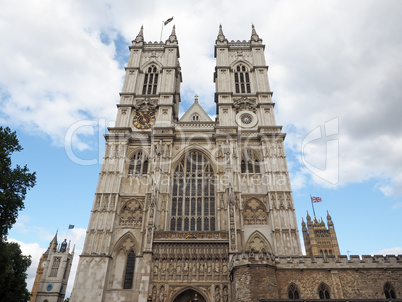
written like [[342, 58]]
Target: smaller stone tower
[[318, 239], [53, 271], [39, 270]]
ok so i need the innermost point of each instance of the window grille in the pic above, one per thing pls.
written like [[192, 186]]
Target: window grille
[[242, 79], [150, 81], [193, 197], [138, 164], [129, 274]]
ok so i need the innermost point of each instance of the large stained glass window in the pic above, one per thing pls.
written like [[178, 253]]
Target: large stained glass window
[[193, 196]]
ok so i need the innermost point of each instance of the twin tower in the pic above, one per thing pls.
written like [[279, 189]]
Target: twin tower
[[190, 208]]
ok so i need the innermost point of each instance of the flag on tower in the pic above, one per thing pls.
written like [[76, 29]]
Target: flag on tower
[[168, 21], [316, 199], [70, 226]]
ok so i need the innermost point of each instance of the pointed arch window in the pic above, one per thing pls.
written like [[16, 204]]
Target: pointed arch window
[[150, 80], [293, 291], [250, 163], [389, 291], [193, 194], [129, 273], [138, 164], [242, 79], [324, 292]]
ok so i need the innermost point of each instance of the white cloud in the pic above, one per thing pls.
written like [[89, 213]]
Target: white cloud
[[327, 60], [57, 70], [35, 251], [391, 251]]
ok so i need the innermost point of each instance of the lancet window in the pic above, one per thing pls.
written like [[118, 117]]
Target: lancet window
[[250, 163], [129, 273], [193, 196], [389, 291], [150, 80], [138, 164], [293, 292], [323, 291], [242, 79]]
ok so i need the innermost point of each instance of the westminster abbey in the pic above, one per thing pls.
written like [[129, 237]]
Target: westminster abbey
[[194, 209]]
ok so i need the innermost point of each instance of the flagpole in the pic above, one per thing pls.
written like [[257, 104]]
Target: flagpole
[[312, 204], [161, 31]]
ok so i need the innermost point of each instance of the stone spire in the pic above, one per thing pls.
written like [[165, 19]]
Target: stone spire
[[140, 36], [254, 35], [53, 243], [221, 37], [173, 37]]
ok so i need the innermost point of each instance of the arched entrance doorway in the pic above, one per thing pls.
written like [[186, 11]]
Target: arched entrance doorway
[[189, 295]]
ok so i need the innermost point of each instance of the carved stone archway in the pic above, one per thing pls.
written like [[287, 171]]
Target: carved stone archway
[[189, 295]]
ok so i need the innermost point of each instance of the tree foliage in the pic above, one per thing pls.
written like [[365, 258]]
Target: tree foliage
[[14, 182], [13, 266]]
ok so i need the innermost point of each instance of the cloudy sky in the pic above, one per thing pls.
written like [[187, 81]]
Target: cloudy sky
[[334, 66]]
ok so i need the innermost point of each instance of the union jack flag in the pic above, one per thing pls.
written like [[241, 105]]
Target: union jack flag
[[315, 199]]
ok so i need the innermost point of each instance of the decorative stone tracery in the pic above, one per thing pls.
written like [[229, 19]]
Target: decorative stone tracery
[[131, 214], [254, 212]]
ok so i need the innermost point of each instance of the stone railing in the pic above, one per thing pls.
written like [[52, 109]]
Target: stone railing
[[210, 125]]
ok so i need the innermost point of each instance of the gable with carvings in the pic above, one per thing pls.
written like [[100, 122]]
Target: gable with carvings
[[258, 243]]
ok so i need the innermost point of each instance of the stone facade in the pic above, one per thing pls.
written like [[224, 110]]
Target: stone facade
[[52, 274], [193, 208]]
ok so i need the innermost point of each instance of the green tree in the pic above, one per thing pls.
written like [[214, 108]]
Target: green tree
[[14, 183], [13, 266]]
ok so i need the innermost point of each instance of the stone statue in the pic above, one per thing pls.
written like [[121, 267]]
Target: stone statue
[[162, 294], [225, 294], [217, 294], [217, 268], [171, 268], [63, 246]]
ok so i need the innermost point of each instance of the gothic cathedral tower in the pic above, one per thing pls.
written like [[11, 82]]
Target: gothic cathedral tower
[[179, 199], [52, 274]]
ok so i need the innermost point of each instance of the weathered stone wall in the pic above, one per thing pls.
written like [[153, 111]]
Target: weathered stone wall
[[355, 278], [346, 283], [254, 282]]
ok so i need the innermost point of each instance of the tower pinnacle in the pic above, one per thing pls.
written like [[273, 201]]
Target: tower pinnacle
[[173, 37], [140, 36], [221, 37], [254, 35]]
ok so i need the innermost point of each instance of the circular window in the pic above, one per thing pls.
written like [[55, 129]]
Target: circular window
[[246, 118]]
